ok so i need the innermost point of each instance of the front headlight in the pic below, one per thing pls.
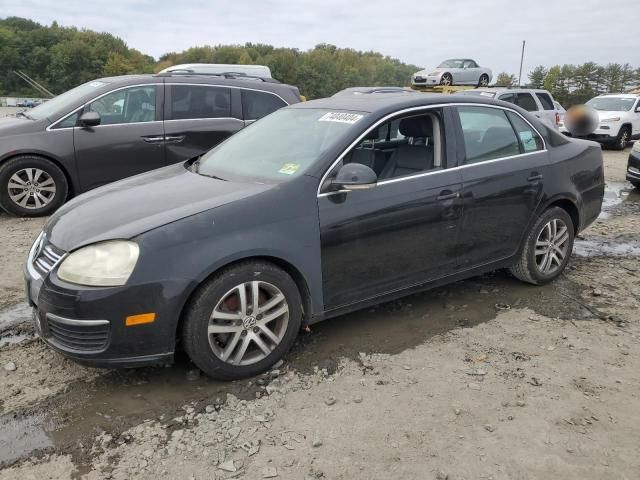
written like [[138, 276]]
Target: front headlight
[[104, 264], [610, 119], [434, 74]]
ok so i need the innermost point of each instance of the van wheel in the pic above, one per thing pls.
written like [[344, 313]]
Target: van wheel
[[31, 186], [546, 248], [242, 321], [624, 135]]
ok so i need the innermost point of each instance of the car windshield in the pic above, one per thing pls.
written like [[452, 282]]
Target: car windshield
[[278, 147], [66, 99], [452, 63], [611, 104]]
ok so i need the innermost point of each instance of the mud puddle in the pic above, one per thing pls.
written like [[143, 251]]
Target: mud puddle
[[598, 247], [618, 197], [14, 315], [124, 398]]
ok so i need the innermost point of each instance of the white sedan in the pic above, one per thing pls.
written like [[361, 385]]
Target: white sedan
[[455, 71]]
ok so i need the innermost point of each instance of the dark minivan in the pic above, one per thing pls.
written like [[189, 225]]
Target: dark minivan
[[318, 209], [112, 128]]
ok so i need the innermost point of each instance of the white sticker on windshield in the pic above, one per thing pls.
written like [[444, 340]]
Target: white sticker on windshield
[[487, 94], [340, 117], [96, 84]]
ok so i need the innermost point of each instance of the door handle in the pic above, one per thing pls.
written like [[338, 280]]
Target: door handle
[[534, 177], [173, 138], [447, 195], [154, 139]]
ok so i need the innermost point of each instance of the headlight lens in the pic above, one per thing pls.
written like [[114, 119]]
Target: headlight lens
[[104, 264], [610, 119]]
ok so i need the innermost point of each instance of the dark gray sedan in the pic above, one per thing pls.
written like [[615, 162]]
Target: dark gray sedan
[[318, 209]]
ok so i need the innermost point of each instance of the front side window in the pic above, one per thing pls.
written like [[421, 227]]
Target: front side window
[[545, 100], [470, 64], [487, 134], [526, 101], [199, 101], [279, 147], [127, 105], [256, 105]]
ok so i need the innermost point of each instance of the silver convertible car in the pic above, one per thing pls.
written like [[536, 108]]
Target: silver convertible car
[[455, 71]]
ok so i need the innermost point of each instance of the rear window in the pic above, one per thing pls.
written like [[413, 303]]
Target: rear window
[[545, 100], [256, 105], [199, 101]]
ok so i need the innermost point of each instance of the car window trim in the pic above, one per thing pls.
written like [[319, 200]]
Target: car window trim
[[61, 119], [416, 109]]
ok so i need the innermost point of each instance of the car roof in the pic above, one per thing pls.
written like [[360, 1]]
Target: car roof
[[510, 89], [389, 102], [620, 95]]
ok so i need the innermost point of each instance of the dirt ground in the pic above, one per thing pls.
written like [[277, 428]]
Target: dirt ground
[[484, 379]]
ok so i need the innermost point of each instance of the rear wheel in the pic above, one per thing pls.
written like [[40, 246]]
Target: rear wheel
[[546, 248], [31, 186], [242, 321], [624, 135], [484, 80], [446, 79]]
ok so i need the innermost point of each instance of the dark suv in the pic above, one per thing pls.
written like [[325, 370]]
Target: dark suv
[[116, 127]]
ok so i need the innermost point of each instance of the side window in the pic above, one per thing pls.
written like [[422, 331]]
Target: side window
[[530, 141], [508, 97], [402, 147], [199, 101], [256, 105], [128, 105], [526, 101], [545, 100], [487, 134]]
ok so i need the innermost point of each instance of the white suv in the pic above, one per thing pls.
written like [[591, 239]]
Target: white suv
[[619, 119], [539, 102]]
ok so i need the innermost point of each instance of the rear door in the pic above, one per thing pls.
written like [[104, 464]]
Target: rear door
[[503, 172], [129, 139], [198, 117]]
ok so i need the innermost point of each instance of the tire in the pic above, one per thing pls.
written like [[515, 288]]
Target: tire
[[530, 264], [624, 135], [220, 296], [31, 186], [483, 81], [446, 79]]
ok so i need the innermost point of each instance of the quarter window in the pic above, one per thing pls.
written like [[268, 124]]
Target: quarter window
[[545, 100], [530, 141], [199, 101], [526, 101], [487, 134], [256, 105], [70, 121], [128, 105]]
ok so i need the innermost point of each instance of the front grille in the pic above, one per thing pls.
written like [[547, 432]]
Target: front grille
[[76, 335], [47, 258]]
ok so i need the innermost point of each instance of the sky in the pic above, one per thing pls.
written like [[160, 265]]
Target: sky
[[490, 31]]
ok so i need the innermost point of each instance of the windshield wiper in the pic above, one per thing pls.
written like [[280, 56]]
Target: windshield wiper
[[22, 114], [196, 168]]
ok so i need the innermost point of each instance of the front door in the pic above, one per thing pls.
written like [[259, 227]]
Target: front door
[[503, 175], [129, 139], [403, 231]]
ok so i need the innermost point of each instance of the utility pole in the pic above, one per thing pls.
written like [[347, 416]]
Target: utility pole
[[521, 60]]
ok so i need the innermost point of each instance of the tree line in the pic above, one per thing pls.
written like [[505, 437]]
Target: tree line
[[575, 84], [62, 57]]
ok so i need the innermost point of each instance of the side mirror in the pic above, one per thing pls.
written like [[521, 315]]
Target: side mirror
[[355, 176], [90, 119], [638, 108]]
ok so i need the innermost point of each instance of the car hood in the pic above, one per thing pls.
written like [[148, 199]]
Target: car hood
[[427, 71], [138, 204]]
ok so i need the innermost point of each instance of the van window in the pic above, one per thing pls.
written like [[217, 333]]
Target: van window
[[127, 105], [526, 101], [545, 100], [256, 105], [199, 101]]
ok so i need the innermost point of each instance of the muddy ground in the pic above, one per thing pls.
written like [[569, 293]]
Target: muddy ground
[[484, 379]]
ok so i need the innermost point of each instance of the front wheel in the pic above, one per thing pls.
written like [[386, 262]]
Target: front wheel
[[446, 79], [546, 248], [624, 135], [31, 186], [242, 321]]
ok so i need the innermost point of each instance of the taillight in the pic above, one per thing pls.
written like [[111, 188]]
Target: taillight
[[557, 118]]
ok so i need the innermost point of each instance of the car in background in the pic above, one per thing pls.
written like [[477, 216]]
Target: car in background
[[537, 101], [633, 165], [112, 128], [373, 90], [259, 71], [455, 71], [319, 209], [619, 116]]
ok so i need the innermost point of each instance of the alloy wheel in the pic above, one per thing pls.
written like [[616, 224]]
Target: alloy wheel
[[31, 188], [552, 246], [446, 79], [484, 81], [624, 139], [248, 323]]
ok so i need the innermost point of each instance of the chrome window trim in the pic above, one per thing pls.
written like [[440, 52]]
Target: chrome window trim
[[61, 119], [426, 107], [197, 119]]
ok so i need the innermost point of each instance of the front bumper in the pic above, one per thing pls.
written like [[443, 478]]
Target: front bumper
[[633, 167], [425, 80], [87, 324]]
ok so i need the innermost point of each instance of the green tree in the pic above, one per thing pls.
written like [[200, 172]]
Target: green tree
[[505, 79], [537, 76]]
